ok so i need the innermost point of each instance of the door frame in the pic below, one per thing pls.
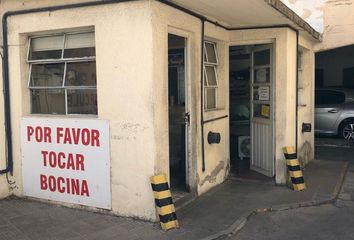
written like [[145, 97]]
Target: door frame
[[271, 102], [188, 101], [273, 89]]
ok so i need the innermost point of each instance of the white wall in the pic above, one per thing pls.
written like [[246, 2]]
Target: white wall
[[124, 89], [285, 88], [338, 24], [168, 20]]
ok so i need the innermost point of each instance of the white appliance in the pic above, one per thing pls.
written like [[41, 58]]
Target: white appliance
[[244, 147]]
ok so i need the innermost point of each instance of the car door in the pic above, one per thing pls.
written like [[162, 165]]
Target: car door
[[329, 106]]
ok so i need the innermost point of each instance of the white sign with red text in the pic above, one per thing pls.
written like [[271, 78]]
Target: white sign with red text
[[66, 160]]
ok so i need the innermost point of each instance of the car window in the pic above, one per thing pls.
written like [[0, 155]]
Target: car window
[[326, 97]]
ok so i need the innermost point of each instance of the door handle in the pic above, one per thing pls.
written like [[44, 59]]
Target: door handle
[[333, 111]]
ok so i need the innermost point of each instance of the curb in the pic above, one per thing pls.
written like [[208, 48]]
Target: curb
[[242, 221]]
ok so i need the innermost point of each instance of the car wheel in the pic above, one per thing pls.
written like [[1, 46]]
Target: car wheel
[[348, 130]]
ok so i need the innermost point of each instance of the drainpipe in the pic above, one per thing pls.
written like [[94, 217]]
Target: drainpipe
[[297, 92], [202, 92], [5, 65], [6, 87]]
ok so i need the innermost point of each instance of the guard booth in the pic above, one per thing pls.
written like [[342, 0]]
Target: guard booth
[[122, 91]]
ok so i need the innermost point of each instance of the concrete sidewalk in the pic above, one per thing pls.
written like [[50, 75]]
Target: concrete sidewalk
[[210, 216]]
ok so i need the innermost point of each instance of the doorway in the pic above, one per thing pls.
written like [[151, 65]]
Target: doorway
[[251, 112], [178, 115]]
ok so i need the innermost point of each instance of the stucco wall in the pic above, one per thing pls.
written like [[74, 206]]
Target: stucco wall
[[284, 41], [338, 24], [132, 73], [306, 103], [13, 5], [168, 20], [124, 89]]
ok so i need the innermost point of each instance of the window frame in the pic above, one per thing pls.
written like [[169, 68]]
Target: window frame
[[206, 83], [61, 60]]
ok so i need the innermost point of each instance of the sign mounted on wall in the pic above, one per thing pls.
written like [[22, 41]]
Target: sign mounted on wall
[[66, 160]]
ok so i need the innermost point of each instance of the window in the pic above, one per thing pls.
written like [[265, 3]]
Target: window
[[327, 97], [210, 75], [62, 78]]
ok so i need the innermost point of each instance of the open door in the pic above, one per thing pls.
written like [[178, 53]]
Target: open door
[[178, 115], [262, 144]]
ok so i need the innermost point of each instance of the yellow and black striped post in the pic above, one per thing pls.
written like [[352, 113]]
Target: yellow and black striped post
[[164, 203], [294, 169]]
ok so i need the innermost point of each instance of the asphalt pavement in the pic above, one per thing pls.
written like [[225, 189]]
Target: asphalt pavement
[[333, 220]]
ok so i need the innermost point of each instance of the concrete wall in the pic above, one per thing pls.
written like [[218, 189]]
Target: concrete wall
[[132, 74], [306, 101], [11, 5], [168, 20], [124, 88], [338, 24], [284, 41]]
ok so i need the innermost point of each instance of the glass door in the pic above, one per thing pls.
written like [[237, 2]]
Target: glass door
[[262, 153]]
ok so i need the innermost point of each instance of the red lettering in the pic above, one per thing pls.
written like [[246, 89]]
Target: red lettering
[[68, 185], [52, 159], [85, 137], [30, 131], [70, 164], [80, 162], [43, 182], [44, 155], [39, 134], [75, 186], [65, 185], [59, 134], [84, 189], [67, 137], [95, 138], [61, 189], [60, 163], [47, 135], [76, 135], [52, 183]]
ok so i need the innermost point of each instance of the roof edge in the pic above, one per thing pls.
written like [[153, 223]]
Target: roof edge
[[292, 16]]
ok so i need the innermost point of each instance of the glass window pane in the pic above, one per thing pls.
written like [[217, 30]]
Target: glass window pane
[[79, 45], [80, 74], [262, 75], [211, 52], [46, 47], [261, 93], [261, 111], [262, 57], [82, 101], [210, 96], [47, 75], [211, 74], [48, 101]]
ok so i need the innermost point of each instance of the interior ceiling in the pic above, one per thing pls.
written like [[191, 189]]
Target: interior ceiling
[[237, 13]]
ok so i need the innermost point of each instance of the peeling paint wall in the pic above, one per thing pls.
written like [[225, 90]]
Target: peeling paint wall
[[168, 20], [132, 89], [306, 152]]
